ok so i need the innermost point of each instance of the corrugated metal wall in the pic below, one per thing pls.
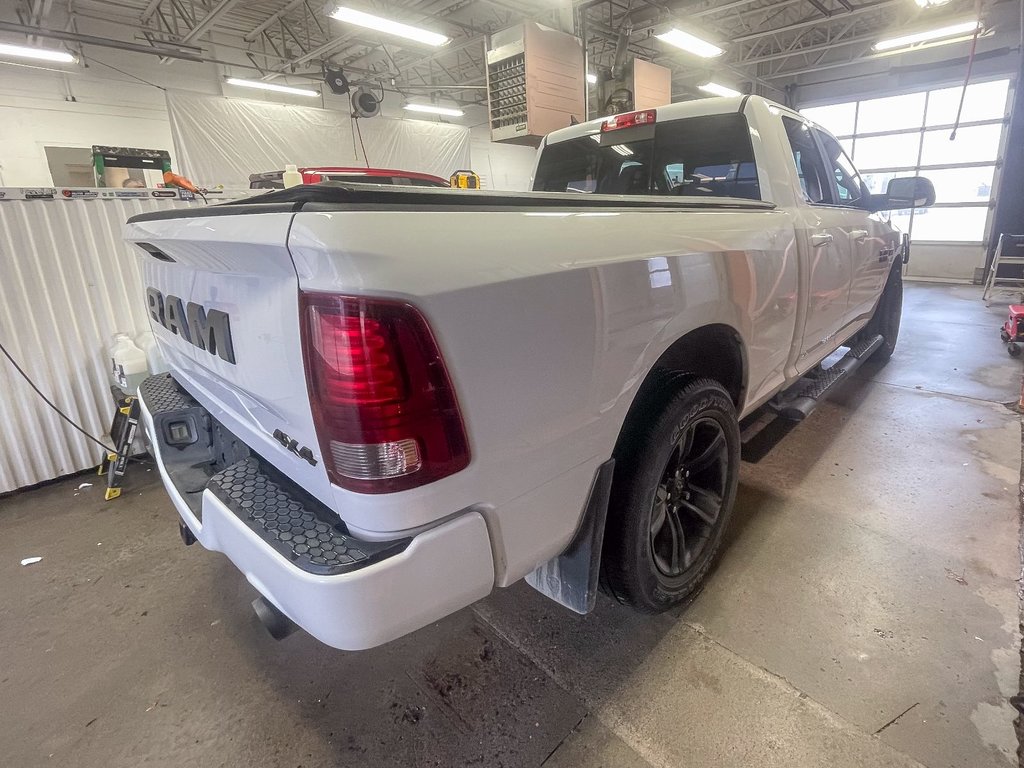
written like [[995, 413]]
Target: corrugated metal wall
[[67, 283]]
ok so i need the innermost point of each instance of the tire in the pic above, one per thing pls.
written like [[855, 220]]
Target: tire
[[1013, 349], [674, 473], [886, 320]]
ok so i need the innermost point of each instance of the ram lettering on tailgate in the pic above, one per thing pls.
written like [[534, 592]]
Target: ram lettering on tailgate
[[209, 330]]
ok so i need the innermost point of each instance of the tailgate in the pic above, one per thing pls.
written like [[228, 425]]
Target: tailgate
[[223, 301]]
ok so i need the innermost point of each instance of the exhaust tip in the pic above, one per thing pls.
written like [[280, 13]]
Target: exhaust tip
[[278, 625]]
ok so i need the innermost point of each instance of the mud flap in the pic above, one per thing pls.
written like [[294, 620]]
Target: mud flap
[[571, 578]]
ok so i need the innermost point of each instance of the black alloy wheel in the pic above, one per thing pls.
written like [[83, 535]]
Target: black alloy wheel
[[688, 500]]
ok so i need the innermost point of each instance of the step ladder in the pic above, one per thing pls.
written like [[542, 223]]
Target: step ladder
[[1009, 251]]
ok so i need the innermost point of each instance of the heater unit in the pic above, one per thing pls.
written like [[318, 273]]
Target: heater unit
[[535, 83]]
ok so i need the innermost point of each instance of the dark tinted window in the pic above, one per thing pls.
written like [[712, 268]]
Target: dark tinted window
[[849, 189], [810, 167], [695, 156]]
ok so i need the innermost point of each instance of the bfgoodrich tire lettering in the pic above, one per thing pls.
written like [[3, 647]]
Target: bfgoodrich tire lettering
[[672, 498]]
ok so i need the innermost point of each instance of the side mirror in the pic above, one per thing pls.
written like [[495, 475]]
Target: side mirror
[[902, 193]]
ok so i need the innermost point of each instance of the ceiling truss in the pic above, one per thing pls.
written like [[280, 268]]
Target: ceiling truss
[[767, 42]]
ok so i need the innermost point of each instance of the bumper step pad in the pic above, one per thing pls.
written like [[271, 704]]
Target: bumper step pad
[[290, 521]]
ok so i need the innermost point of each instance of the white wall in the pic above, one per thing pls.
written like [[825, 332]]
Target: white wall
[[35, 112], [501, 166], [117, 108]]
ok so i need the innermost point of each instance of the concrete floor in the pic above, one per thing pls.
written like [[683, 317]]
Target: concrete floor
[[864, 613]]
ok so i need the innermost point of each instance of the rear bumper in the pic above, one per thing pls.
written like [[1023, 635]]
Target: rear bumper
[[347, 593]]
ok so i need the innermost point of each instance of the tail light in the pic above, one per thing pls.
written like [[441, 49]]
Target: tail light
[[385, 412]]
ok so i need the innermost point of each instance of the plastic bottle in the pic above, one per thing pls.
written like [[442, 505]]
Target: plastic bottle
[[146, 341], [292, 177], [127, 363]]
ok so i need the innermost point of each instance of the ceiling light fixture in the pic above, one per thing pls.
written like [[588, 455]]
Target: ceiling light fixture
[[368, 20], [264, 86], [690, 43], [591, 78], [930, 3], [905, 41], [42, 54], [718, 90], [433, 109]]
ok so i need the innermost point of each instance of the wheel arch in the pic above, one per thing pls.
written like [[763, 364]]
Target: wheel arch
[[715, 351]]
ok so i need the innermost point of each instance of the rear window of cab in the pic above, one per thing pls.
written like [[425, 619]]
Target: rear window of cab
[[707, 156]]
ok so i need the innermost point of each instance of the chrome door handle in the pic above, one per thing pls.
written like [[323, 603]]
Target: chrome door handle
[[819, 240], [859, 235]]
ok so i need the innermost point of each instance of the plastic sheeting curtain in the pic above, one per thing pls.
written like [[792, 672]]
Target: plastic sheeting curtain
[[222, 141]]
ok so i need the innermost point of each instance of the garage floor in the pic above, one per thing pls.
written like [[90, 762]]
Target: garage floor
[[864, 614]]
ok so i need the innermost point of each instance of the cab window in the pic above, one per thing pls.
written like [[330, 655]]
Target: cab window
[[810, 166], [849, 189]]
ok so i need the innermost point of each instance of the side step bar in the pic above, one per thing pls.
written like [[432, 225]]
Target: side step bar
[[798, 403]]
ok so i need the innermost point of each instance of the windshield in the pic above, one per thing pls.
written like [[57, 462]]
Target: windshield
[[708, 156]]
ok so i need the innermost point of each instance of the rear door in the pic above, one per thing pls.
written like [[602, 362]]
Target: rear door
[[872, 242], [822, 235], [222, 297]]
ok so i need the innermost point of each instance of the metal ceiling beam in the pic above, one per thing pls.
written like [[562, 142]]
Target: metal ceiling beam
[[817, 21], [103, 42], [150, 10], [812, 49], [255, 33], [209, 20]]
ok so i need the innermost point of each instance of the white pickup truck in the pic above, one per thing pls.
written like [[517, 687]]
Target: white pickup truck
[[383, 403]]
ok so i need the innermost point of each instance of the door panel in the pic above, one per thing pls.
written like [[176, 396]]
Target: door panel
[[871, 241], [830, 271], [822, 231]]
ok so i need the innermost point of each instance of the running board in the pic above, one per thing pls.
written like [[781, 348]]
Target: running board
[[799, 402]]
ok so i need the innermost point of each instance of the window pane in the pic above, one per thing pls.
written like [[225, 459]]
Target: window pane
[[582, 165], [962, 185], [891, 114], [810, 167], [848, 187], [978, 144], [962, 224], [899, 151], [847, 145], [838, 118], [706, 157], [984, 101]]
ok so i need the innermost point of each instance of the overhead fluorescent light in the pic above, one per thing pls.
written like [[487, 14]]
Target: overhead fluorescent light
[[622, 149], [931, 3], [42, 54], [718, 90], [953, 30], [368, 20], [591, 78], [263, 86], [433, 109], [690, 43]]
